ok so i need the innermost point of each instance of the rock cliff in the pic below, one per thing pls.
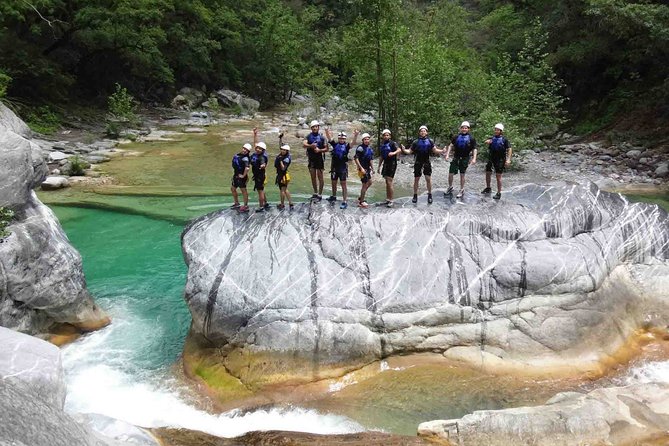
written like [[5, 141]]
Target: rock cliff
[[550, 273], [42, 284]]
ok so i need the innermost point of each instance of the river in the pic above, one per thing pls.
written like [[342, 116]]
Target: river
[[129, 239]]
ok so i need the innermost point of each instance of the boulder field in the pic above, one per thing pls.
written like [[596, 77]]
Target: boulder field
[[42, 284], [552, 278]]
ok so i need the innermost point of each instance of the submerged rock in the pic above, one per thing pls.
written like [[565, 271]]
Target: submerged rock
[[615, 415], [41, 278], [551, 276]]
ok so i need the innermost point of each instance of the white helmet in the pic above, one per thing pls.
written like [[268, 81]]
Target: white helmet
[[365, 135], [285, 147], [499, 126], [247, 146], [465, 124], [385, 131], [342, 135], [422, 127], [314, 123], [262, 145]]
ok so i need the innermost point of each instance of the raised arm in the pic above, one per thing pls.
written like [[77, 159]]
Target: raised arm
[[356, 132], [255, 136]]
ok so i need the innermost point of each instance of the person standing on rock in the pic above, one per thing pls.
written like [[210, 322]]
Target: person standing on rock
[[258, 166], [499, 157], [240, 176], [388, 151], [422, 148], [316, 146], [339, 164], [282, 162], [464, 146], [364, 160]]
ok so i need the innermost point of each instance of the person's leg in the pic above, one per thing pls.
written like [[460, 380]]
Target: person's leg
[[389, 188], [462, 181], [286, 192], [415, 185], [321, 182], [245, 195], [428, 183], [334, 188], [450, 180], [235, 196], [499, 182], [282, 195], [488, 177], [261, 198], [312, 173], [344, 191]]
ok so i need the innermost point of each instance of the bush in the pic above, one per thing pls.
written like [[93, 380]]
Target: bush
[[4, 83], [43, 120], [122, 108], [6, 216], [77, 166]]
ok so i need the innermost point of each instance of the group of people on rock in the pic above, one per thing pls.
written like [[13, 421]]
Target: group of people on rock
[[462, 147]]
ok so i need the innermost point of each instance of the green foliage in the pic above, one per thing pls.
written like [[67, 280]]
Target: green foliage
[[6, 216], [122, 105], [213, 105], [77, 166], [4, 83], [43, 120], [121, 108]]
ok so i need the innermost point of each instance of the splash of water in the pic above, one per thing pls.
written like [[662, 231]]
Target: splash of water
[[103, 377]]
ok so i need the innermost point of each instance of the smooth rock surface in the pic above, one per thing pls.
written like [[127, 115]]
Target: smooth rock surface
[[34, 362], [41, 278], [550, 276], [55, 182], [615, 415]]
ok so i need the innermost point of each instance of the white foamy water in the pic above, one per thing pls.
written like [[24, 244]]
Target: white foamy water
[[656, 371], [103, 377]]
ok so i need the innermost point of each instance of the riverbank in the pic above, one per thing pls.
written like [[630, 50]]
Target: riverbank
[[619, 167]]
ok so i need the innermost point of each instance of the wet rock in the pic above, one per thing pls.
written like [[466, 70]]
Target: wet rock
[[636, 154], [42, 281], [32, 361], [54, 183], [617, 415], [319, 289]]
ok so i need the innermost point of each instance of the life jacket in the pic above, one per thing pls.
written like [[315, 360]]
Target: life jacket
[[463, 141], [497, 144], [238, 164], [340, 152], [258, 160], [385, 149], [316, 138], [279, 159], [366, 157], [424, 147]]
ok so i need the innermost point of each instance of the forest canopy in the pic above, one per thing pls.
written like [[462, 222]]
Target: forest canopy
[[530, 63]]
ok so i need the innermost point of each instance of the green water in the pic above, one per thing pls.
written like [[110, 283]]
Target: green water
[[134, 269]]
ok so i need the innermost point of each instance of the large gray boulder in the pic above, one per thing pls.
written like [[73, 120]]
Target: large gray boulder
[[42, 284], [22, 166], [229, 98], [32, 394], [32, 361], [615, 415], [551, 276]]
